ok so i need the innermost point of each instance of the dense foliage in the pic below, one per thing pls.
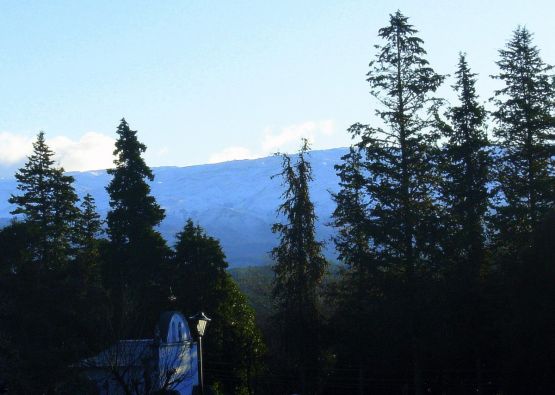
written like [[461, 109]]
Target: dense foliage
[[67, 293], [443, 221], [524, 129], [200, 282], [51, 300], [47, 202]]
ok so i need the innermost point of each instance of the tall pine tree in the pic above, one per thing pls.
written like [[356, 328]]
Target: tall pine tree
[[299, 267], [137, 250], [465, 174], [48, 202], [524, 193], [465, 170], [400, 160], [53, 319], [525, 132]]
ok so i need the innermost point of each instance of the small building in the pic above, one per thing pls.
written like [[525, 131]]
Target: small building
[[168, 362]]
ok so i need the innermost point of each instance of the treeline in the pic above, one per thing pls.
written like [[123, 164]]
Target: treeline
[[445, 230], [72, 284]]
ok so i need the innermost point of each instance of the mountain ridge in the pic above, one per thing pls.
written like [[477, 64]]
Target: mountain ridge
[[233, 201]]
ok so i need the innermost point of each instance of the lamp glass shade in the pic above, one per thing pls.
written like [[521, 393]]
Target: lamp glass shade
[[199, 322], [201, 327]]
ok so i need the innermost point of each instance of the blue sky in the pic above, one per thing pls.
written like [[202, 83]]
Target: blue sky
[[205, 81]]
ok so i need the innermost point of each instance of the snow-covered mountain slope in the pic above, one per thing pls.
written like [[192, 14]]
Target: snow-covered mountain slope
[[234, 201]]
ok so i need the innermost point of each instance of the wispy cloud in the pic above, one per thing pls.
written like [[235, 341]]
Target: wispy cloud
[[286, 139], [13, 148], [231, 153], [91, 151]]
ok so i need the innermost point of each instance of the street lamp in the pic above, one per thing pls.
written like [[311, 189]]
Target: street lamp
[[199, 322]]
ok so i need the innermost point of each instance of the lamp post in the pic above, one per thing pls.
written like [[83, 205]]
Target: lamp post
[[199, 322]]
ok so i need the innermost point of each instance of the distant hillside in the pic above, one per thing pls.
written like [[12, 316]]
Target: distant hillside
[[256, 283], [234, 201]]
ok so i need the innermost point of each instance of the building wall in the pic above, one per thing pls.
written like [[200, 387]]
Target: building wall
[[169, 361]]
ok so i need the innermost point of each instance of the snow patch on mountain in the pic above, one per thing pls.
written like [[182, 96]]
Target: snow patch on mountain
[[234, 201]]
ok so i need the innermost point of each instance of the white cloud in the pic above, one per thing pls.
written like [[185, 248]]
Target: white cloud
[[287, 139], [92, 151], [162, 151], [231, 153], [14, 148], [327, 127]]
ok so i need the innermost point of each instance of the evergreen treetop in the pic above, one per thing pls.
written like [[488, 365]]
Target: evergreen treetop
[[465, 171], [90, 224], [133, 210], [525, 133], [200, 257], [299, 264], [196, 249], [48, 202], [400, 156], [401, 79], [35, 181], [88, 230]]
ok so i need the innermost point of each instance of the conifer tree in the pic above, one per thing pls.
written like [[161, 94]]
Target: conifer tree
[[399, 157], [133, 210], [525, 132], [524, 174], [200, 257], [65, 213], [89, 225], [465, 169], [200, 282], [138, 251], [47, 202], [299, 267], [34, 180], [400, 160], [52, 318], [465, 173], [88, 229]]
